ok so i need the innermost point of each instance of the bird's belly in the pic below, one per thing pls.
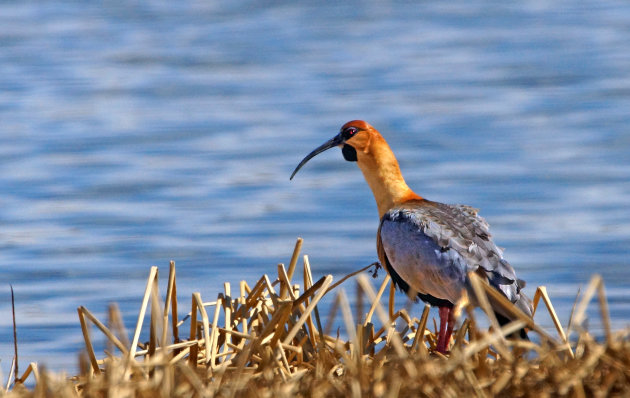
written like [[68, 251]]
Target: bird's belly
[[426, 268]]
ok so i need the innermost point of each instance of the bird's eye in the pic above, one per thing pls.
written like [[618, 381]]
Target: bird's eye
[[349, 132]]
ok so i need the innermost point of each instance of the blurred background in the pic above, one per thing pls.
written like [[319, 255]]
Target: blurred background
[[134, 133]]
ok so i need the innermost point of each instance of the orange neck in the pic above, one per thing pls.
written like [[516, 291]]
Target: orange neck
[[382, 173]]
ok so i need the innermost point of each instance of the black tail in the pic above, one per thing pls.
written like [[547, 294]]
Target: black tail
[[522, 334]]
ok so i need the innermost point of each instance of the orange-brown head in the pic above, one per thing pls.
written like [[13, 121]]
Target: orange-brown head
[[363, 144], [359, 135]]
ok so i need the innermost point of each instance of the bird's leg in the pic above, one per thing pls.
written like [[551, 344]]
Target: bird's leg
[[446, 329], [449, 328], [445, 333]]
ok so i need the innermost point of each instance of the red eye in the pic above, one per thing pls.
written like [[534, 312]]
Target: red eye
[[349, 132]]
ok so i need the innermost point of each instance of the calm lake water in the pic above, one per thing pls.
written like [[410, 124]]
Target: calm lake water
[[132, 134]]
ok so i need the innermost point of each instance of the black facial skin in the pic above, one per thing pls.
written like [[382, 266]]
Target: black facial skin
[[349, 153]]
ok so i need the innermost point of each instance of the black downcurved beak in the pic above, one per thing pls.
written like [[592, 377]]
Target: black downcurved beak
[[333, 142]]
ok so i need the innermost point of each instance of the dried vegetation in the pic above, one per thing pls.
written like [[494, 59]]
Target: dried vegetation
[[271, 340]]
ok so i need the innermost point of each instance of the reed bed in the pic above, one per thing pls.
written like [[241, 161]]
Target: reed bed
[[270, 339]]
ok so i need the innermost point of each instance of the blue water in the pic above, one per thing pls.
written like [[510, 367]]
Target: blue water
[[132, 134]]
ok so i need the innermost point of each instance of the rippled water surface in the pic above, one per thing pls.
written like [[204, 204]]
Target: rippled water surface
[[132, 134]]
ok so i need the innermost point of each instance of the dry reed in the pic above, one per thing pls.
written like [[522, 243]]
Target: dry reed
[[268, 340]]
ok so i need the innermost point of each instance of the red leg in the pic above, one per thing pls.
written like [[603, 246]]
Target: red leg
[[449, 329], [446, 329], [445, 333]]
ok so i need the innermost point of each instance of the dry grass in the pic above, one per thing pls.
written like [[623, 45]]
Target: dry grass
[[270, 340]]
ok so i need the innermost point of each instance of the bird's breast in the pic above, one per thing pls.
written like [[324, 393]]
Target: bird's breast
[[426, 266]]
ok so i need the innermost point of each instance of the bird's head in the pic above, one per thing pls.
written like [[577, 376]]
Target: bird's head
[[354, 136]]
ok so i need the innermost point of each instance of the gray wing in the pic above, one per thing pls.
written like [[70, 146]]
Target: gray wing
[[420, 261], [447, 242]]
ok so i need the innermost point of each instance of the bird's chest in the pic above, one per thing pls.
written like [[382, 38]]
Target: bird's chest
[[423, 264]]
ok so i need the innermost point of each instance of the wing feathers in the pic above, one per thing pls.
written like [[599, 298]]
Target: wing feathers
[[427, 243]]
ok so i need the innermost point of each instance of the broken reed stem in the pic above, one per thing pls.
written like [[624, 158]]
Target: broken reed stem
[[422, 325], [500, 300], [115, 323], [308, 278], [596, 284], [88, 342], [342, 280], [192, 357], [242, 302], [492, 338], [228, 315], [392, 299], [12, 375], [541, 293], [141, 314], [483, 301], [461, 332], [15, 340], [346, 313], [170, 287], [155, 315], [292, 264], [309, 292], [327, 280], [603, 310], [110, 336], [369, 290], [377, 299], [215, 335], [286, 290], [32, 368], [198, 306]]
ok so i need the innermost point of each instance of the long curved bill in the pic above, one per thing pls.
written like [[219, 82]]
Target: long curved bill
[[333, 142]]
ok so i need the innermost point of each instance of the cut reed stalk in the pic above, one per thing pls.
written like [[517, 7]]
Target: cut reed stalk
[[88, 342]]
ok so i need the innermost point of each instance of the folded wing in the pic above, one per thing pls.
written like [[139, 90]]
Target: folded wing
[[430, 247]]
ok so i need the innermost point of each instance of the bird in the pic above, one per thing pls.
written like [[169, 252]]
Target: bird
[[428, 248]]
